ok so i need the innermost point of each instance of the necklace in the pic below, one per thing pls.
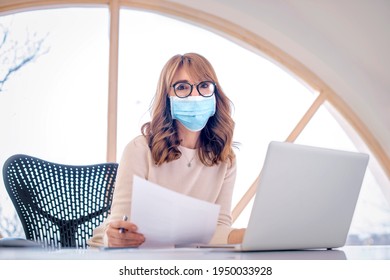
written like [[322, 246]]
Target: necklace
[[188, 161]]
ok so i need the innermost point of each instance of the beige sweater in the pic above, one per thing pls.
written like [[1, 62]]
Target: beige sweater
[[213, 184]]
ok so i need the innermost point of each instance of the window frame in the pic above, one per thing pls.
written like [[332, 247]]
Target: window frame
[[227, 29]]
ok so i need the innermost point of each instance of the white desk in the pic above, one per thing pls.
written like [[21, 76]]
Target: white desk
[[344, 253]]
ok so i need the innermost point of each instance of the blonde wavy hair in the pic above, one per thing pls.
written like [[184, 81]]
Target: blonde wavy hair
[[216, 138]]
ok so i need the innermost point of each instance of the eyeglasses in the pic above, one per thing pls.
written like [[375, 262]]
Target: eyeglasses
[[184, 89]]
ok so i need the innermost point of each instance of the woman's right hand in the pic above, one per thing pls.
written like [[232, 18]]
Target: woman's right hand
[[128, 237]]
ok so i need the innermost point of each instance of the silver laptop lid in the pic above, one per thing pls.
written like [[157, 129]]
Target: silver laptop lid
[[305, 199]]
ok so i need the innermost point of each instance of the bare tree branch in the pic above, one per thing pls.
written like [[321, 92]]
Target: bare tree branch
[[5, 35], [14, 55]]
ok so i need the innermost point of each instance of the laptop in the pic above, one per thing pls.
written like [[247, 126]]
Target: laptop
[[305, 198]]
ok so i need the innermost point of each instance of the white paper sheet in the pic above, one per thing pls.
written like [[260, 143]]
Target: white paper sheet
[[167, 218]]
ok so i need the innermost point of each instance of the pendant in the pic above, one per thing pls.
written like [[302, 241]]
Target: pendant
[[189, 164]]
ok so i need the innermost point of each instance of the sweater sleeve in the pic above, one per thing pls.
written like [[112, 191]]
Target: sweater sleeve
[[134, 161], [225, 201]]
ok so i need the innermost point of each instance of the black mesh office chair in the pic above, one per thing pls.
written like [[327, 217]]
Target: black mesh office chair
[[59, 205]]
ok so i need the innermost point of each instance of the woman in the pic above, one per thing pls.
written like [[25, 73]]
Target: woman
[[186, 147]]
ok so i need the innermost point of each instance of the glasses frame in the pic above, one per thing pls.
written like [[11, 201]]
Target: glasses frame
[[192, 87]]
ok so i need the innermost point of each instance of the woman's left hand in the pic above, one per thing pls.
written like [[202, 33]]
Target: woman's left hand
[[236, 236]]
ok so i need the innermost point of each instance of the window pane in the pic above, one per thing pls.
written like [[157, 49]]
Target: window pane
[[55, 107]]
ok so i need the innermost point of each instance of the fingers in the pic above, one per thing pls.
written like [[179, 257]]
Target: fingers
[[123, 226], [123, 234], [126, 240]]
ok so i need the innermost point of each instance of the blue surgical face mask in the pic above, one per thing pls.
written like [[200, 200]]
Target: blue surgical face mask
[[193, 111]]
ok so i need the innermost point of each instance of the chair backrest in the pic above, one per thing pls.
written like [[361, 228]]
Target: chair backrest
[[59, 205]]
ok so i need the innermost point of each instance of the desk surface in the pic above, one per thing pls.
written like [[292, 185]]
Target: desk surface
[[344, 253]]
